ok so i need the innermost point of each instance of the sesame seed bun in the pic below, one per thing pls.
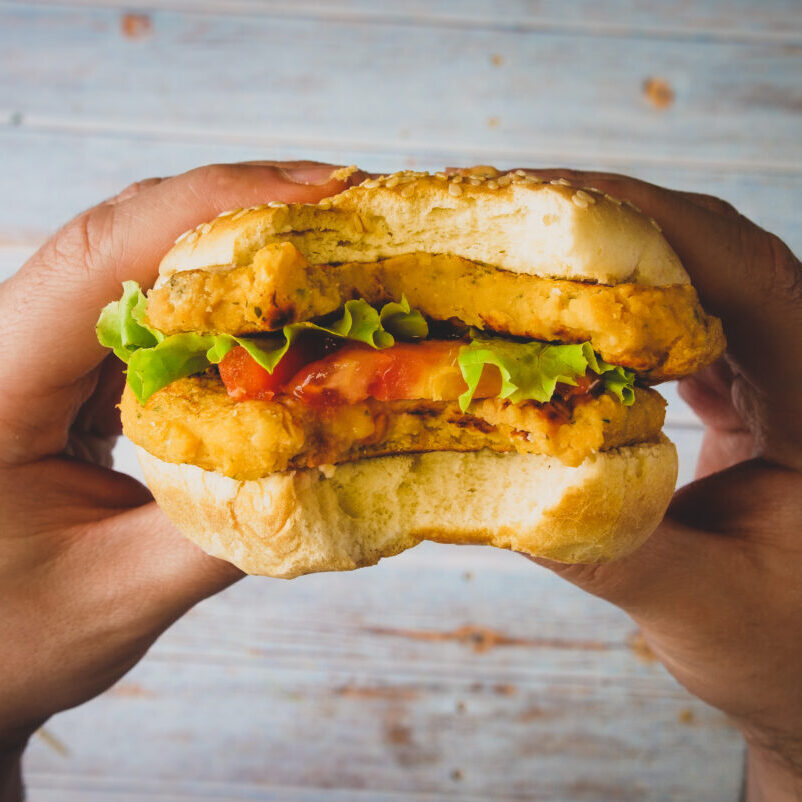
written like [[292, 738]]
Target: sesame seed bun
[[516, 222], [342, 517], [511, 254]]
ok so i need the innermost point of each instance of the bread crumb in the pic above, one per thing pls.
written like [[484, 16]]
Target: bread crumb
[[343, 173]]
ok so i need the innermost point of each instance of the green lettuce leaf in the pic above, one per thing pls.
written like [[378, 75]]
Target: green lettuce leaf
[[120, 324], [155, 360], [531, 370]]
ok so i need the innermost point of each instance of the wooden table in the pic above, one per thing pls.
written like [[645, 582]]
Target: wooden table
[[445, 673]]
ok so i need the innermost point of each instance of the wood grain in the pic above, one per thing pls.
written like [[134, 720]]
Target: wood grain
[[736, 103], [776, 20], [311, 687], [87, 168]]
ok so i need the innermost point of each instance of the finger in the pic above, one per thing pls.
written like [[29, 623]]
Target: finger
[[709, 392], [747, 277], [134, 189], [710, 530], [104, 520], [49, 308], [99, 415], [158, 572], [728, 257]]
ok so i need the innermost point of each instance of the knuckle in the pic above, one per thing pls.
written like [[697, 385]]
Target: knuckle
[[134, 189], [716, 205], [787, 270], [82, 244], [217, 178]]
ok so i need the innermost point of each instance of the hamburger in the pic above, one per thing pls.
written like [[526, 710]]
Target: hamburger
[[465, 358]]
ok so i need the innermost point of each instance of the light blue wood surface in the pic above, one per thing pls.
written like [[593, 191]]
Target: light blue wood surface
[[445, 673]]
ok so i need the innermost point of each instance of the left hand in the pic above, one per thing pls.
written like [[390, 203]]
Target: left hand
[[91, 572]]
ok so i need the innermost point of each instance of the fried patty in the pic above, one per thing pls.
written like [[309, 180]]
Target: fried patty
[[194, 421], [660, 332]]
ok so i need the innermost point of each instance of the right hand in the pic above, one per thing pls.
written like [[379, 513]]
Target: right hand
[[717, 590]]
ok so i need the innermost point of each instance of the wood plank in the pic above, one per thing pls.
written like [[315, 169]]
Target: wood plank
[[778, 20], [67, 788], [308, 688], [53, 176], [551, 94]]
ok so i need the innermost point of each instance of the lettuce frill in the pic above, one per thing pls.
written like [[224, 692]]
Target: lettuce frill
[[529, 370]]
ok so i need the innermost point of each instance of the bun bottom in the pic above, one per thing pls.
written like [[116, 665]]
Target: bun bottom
[[299, 522]]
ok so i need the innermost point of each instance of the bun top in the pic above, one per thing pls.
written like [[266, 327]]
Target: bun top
[[513, 221]]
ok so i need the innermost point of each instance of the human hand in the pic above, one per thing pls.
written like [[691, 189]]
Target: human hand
[[91, 572], [717, 590]]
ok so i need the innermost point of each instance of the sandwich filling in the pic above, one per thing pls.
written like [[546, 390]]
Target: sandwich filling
[[660, 332], [367, 380]]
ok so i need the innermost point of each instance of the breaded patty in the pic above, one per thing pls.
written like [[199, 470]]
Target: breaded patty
[[660, 332], [194, 421]]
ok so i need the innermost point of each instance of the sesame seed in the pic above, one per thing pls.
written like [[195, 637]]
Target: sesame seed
[[370, 183], [454, 189], [325, 204], [392, 181], [474, 181], [579, 201], [631, 205], [456, 179], [224, 214], [192, 236], [276, 205], [492, 184], [206, 228], [505, 180], [239, 213], [613, 199], [182, 237], [521, 173], [589, 199], [655, 224], [560, 182], [407, 190]]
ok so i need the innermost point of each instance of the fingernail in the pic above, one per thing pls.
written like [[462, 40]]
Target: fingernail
[[311, 176]]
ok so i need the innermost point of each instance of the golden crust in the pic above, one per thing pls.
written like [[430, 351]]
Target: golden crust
[[514, 221], [298, 522], [194, 421], [661, 332]]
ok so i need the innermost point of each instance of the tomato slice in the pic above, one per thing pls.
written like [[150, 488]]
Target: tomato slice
[[245, 378], [322, 371], [404, 371]]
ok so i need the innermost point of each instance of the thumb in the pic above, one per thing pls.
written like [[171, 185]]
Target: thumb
[[158, 573]]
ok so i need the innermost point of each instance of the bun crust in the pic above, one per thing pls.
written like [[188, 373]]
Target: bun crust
[[299, 522], [514, 222]]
